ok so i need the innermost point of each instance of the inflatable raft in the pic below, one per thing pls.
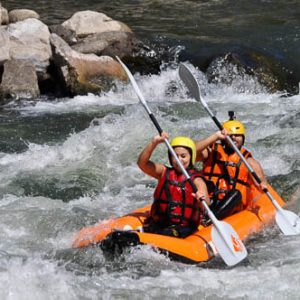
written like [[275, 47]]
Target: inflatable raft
[[196, 248]]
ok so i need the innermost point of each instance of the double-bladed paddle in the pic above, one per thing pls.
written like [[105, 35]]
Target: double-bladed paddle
[[288, 222], [225, 239]]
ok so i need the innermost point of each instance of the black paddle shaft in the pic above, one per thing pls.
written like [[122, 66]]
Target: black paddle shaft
[[190, 81], [153, 119]]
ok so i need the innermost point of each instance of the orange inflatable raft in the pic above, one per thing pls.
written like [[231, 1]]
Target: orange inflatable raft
[[196, 248]]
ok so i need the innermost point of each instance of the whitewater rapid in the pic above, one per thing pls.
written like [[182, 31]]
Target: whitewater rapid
[[87, 173]]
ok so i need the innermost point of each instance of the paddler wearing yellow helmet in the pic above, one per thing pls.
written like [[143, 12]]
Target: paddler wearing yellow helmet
[[227, 176], [176, 209], [236, 130]]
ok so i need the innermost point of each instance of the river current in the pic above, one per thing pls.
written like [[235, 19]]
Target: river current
[[69, 163]]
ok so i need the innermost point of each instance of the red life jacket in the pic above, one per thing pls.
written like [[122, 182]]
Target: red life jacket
[[226, 171], [173, 201]]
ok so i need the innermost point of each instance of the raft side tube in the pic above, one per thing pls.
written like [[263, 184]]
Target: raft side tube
[[195, 248]]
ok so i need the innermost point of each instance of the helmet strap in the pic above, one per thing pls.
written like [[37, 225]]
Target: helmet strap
[[228, 149]]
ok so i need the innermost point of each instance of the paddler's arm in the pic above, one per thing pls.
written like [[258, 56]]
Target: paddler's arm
[[257, 168], [202, 146], [145, 164], [202, 190]]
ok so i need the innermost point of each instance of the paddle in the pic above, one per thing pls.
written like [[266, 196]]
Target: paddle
[[225, 239], [288, 222]]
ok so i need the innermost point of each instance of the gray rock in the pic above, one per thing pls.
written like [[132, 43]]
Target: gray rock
[[88, 22], [65, 33], [84, 73], [109, 43], [17, 15], [29, 40], [4, 46], [19, 80], [3, 15], [249, 64]]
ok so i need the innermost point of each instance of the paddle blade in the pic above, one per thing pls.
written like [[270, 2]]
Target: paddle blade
[[288, 222], [228, 243], [189, 80]]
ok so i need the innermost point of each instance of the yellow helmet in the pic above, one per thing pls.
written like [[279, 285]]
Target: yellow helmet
[[234, 127], [183, 141]]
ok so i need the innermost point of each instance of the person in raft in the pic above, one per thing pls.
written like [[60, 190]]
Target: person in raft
[[176, 210], [226, 175]]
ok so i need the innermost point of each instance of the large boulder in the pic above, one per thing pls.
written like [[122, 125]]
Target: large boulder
[[83, 73], [30, 40], [94, 32], [88, 22], [19, 80], [246, 64], [110, 43]]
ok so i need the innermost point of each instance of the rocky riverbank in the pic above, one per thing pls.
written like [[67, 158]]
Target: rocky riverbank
[[75, 57]]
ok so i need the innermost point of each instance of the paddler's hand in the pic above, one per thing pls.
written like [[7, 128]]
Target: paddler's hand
[[263, 186], [201, 197], [160, 138], [220, 135]]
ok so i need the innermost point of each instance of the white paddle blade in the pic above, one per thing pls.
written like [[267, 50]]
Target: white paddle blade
[[190, 81], [228, 244], [288, 222]]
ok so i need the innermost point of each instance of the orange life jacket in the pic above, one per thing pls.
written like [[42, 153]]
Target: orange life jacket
[[173, 201], [226, 171]]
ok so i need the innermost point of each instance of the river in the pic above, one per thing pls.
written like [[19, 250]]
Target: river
[[68, 163]]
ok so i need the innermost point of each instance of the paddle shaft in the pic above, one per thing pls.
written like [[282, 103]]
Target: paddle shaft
[[194, 89], [156, 124], [288, 221], [170, 148], [215, 221]]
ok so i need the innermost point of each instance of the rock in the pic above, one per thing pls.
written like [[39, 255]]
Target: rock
[[148, 59], [30, 40], [65, 33], [4, 46], [88, 22], [19, 80], [110, 43], [3, 16], [83, 73], [17, 15], [268, 72]]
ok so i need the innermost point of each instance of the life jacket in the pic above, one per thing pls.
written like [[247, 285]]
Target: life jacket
[[227, 172], [173, 201]]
